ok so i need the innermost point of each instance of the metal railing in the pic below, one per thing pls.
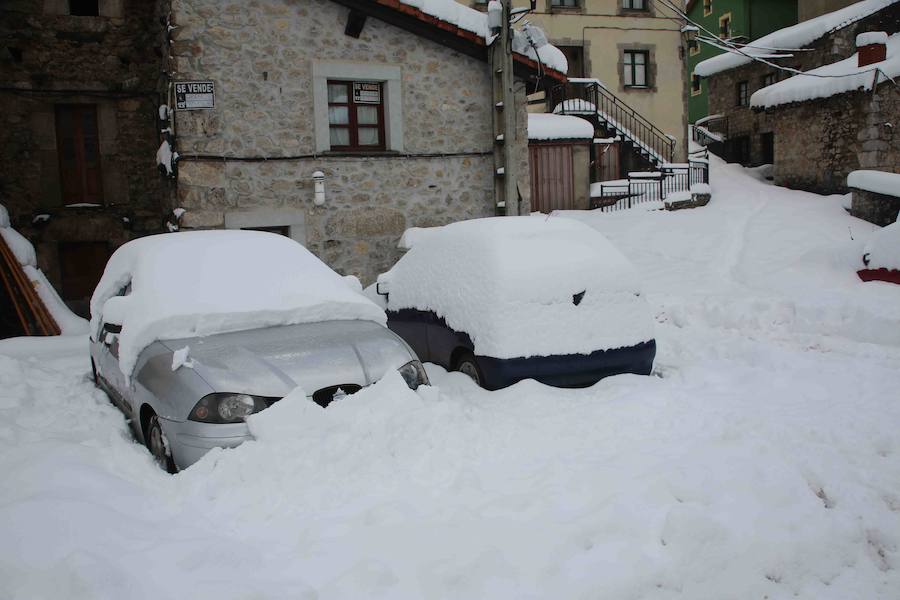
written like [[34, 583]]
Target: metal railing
[[615, 115], [640, 187]]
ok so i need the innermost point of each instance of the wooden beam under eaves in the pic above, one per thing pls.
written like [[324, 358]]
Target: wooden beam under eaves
[[355, 23]]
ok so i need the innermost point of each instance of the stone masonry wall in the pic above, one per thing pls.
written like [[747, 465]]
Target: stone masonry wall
[[260, 56], [817, 144], [743, 121], [112, 61], [879, 209]]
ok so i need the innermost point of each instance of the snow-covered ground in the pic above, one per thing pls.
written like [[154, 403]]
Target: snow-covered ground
[[762, 460]]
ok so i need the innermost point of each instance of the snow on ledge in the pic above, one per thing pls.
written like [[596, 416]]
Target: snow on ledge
[[558, 127], [803, 87], [795, 36], [871, 37], [879, 182]]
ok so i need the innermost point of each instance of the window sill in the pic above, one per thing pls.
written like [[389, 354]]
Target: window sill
[[639, 88], [347, 152], [576, 10]]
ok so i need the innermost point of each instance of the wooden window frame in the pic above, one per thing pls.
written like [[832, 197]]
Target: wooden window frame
[[565, 4], [725, 19], [707, 8], [743, 94], [73, 175], [631, 66], [353, 125], [698, 89], [769, 79], [629, 5]]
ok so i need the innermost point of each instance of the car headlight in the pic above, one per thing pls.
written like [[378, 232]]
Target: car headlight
[[228, 408], [413, 374]]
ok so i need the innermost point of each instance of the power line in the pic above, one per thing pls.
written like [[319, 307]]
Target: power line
[[729, 47]]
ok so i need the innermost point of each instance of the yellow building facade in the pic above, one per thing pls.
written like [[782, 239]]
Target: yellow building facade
[[609, 39]]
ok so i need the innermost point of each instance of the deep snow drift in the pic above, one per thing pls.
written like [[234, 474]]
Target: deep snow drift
[[762, 460]]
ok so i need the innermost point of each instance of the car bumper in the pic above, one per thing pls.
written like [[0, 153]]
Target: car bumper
[[189, 441], [570, 370]]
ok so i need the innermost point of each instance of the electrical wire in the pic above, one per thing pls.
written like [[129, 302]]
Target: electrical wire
[[728, 47]]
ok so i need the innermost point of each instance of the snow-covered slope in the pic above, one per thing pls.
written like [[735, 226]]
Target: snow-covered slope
[[762, 460]]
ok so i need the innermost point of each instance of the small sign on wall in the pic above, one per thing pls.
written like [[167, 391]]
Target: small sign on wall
[[366, 93], [195, 95]]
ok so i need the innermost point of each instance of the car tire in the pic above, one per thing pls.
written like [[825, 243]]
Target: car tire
[[467, 365], [158, 445]]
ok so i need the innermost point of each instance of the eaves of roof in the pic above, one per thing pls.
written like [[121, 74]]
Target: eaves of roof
[[447, 34]]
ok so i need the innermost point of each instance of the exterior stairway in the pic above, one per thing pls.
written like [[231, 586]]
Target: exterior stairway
[[591, 100]]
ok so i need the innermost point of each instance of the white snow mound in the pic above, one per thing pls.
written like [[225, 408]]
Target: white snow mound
[[883, 248], [558, 127], [509, 283], [879, 182], [206, 282]]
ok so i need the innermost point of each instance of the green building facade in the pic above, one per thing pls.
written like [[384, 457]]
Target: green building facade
[[739, 21]]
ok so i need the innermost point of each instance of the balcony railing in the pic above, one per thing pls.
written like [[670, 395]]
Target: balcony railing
[[590, 97]]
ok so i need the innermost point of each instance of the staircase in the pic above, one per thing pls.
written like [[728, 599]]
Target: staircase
[[591, 100]]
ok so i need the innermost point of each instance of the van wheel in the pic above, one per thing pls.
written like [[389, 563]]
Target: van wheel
[[466, 365], [159, 446]]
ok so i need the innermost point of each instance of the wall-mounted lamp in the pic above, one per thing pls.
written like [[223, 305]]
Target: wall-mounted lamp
[[319, 185]]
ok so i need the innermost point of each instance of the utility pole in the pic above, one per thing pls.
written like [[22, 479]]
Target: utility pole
[[506, 194]]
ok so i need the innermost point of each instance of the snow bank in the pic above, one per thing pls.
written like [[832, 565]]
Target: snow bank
[[878, 182], [808, 87], [509, 281], [205, 282], [558, 127], [795, 36], [883, 249]]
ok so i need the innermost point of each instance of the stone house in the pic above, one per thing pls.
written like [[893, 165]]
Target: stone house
[[78, 131], [824, 129], [752, 136], [390, 106]]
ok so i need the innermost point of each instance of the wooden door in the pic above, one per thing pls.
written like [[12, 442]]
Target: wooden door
[[78, 147], [552, 177], [81, 265]]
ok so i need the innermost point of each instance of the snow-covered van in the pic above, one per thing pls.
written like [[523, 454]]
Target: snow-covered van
[[512, 298]]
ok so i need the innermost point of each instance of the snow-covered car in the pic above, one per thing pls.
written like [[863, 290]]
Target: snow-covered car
[[511, 298], [193, 332]]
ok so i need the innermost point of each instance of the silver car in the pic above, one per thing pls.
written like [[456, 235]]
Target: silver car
[[226, 290]]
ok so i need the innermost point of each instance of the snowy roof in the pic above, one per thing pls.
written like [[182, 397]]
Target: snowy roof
[[795, 36], [812, 84], [475, 22], [509, 283], [205, 282], [558, 127], [878, 182]]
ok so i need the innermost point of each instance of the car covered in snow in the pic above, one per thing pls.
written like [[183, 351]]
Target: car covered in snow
[[509, 298], [193, 332]]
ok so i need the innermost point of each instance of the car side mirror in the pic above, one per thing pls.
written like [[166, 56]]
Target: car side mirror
[[382, 288]]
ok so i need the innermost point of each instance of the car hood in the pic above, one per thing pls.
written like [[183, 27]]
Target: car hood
[[274, 361]]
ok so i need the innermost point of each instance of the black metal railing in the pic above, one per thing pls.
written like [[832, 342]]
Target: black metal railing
[[641, 187], [616, 116], [710, 130]]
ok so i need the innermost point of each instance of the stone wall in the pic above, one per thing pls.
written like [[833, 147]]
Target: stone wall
[[879, 209], [265, 101], [817, 144], [743, 121], [112, 61]]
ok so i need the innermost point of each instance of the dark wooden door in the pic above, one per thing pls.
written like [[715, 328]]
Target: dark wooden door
[[552, 185], [81, 265], [78, 147]]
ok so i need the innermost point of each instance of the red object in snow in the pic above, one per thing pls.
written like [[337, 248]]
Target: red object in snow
[[889, 275], [871, 54]]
